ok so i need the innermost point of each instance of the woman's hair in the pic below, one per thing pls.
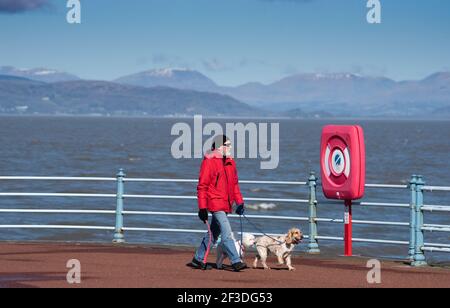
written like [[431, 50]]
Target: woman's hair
[[219, 141]]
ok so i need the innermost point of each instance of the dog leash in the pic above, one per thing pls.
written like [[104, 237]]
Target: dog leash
[[242, 238], [209, 244], [257, 228]]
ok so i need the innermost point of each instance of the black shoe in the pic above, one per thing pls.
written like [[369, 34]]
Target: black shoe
[[200, 265], [237, 267]]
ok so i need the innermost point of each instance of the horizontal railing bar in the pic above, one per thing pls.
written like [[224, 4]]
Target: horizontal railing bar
[[13, 194], [364, 222], [386, 186], [435, 249], [437, 245], [257, 182], [158, 213], [194, 198], [56, 178], [160, 180], [50, 211], [436, 229], [436, 188], [278, 200], [437, 226], [386, 223], [274, 182], [164, 230], [184, 230], [329, 238], [373, 204], [191, 231], [55, 227], [273, 217], [194, 214], [196, 181], [160, 197], [335, 220], [56, 211], [231, 216], [383, 204], [363, 240], [391, 186], [436, 208], [444, 246], [425, 208]]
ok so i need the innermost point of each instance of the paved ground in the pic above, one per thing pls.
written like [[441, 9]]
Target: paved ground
[[44, 265]]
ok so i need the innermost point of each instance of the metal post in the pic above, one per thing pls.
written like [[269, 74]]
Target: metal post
[[348, 229], [419, 257], [412, 225], [118, 235], [313, 246]]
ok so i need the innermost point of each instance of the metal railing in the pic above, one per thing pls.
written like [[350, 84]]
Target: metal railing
[[416, 190]]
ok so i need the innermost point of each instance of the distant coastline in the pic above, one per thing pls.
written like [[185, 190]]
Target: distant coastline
[[184, 93], [330, 119]]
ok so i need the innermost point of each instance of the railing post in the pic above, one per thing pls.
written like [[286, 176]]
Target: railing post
[[419, 256], [313, 246], [118, 235], [412, 225]]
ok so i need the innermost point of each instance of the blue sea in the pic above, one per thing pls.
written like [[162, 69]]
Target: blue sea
[[99, 147]]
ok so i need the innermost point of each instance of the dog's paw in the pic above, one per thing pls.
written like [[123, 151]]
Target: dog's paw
[[292, 269]]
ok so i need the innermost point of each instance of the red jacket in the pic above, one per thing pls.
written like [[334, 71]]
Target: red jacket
[[218, 187]]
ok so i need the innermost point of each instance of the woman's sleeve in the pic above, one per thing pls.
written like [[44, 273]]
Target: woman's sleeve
[[203, 185], [237, 190]]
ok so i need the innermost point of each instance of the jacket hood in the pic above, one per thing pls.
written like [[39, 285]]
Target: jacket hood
[[215, 154]]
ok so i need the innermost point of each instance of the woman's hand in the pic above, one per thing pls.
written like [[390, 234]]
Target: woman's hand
[[203, 215], [240, 210]]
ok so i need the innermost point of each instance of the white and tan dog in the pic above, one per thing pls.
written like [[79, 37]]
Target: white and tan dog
[[281, 247], [248, 241]]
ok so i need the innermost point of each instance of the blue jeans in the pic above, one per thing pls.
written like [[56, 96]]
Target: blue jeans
[[220, 225]]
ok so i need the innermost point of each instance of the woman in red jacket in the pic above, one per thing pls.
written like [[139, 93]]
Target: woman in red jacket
[[217, 191]]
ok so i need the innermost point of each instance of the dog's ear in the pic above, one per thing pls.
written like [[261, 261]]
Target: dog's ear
[[289, 238]]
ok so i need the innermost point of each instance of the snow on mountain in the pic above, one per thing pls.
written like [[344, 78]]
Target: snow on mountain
[[38, 74], [179, 78]]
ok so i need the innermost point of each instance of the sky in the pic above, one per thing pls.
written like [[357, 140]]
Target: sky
[[231, 41]]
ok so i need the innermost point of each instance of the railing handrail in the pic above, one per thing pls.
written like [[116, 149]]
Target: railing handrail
[[55, 178], [56, 227], [436, 188], [87, 178], [16, 194]]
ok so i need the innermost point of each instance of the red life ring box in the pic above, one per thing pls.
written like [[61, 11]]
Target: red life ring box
[[343, 162]]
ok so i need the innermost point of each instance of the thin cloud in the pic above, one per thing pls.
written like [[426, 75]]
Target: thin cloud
[[18, 6], [169, 60], [214, 65]]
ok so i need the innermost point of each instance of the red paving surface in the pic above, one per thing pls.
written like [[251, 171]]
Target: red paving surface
[[44, 265]]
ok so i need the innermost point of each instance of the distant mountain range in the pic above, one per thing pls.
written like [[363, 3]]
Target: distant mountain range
[[187, 92], [20, 95], [339, 94]]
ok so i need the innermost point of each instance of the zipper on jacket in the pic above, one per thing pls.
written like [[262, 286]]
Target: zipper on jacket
[[217, 180], [226, 176]]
